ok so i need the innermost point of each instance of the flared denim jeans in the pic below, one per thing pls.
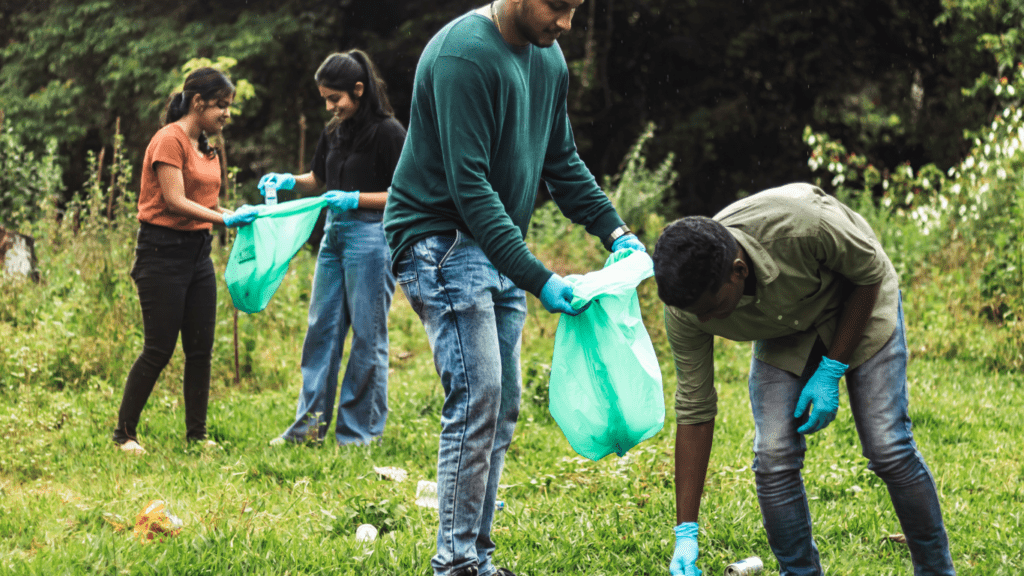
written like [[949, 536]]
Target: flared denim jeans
[[352, 288], [474, 318], [879, 403]]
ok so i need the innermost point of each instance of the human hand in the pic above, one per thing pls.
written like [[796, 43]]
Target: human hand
[[243, 216], [684, 561], [822, 390], [628, 241], [556, 296], [277, 182], [340, 201]]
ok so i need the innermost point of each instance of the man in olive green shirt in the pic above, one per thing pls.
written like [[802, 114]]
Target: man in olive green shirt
[[805, 278]]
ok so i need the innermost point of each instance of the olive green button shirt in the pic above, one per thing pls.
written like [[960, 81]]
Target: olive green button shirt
[[808, 250]]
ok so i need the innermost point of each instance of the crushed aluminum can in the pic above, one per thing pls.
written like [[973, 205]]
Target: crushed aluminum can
[[745, 567]]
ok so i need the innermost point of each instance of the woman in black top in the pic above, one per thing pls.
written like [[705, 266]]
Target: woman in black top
[[353, 285]]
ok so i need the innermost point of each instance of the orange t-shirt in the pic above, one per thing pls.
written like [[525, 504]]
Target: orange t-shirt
[[201, 174]]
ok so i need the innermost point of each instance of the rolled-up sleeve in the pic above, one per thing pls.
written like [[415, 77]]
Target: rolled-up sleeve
[[693, 352]]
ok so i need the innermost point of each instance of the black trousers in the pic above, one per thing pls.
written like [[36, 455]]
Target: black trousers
[[177, 289]]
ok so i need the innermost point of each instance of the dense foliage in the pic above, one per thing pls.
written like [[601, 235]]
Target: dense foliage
[[731, 86]]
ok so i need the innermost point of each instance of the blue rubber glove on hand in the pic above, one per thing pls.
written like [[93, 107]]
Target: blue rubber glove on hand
[[684, 561], [340, 201], [822, 390], [277, 181], [243, 216], [556, 296], [628, 241]]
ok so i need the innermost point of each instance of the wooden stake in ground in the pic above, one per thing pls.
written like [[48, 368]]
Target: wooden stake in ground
[[226, 192], [113, 170], [302, 143]]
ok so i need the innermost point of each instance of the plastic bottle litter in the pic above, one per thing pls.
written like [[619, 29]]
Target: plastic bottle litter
[[156, 521], [745, 567], [366, 533], [270, 199], [426, 494]]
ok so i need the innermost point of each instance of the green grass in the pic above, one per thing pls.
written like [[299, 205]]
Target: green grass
[[68, 498]]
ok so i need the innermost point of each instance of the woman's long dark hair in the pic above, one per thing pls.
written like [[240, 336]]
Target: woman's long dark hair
[[341, 71], [210, 84]]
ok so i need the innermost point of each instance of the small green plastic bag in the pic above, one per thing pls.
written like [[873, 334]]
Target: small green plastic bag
[[262, 250], [605, 391]]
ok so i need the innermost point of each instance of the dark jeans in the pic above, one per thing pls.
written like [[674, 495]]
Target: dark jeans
[[178, 294]]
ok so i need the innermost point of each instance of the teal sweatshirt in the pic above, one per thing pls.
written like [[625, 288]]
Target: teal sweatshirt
[[488, 125]]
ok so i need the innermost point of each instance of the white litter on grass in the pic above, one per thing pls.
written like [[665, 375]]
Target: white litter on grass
[[426, 494], [366, 533], [392, 473]]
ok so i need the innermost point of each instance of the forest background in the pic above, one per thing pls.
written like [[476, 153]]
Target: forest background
[[908, 111], [731, 85]]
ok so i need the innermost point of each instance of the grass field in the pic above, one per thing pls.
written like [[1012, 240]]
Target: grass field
[[68, 498]]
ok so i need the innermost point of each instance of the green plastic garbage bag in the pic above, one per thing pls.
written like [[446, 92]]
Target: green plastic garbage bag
[[262, 250], [605, 391]]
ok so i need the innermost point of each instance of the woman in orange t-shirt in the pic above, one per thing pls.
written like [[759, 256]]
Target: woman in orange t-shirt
[[178, 205]]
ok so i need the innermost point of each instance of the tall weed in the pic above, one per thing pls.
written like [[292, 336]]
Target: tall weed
[[960, 229]]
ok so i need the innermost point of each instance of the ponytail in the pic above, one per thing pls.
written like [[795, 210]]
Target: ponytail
[[209, 84]]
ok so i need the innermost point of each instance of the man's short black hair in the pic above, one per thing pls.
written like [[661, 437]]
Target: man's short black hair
[[693, 255]]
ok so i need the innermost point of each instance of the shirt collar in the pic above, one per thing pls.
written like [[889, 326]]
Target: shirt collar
[[765, 268]]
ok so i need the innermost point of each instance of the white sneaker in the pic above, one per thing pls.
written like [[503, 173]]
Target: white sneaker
[[279, 441], [133, 447]]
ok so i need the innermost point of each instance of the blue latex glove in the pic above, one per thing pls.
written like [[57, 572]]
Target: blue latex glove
[[628, 241], [278, 181], [822, 390], [556, 296], [685, 558], [340, 201], [243, 216]]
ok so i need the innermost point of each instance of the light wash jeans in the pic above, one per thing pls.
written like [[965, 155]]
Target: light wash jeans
[[878, 401], [474, 319], [352, 287]]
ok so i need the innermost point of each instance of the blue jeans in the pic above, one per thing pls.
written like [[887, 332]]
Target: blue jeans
[[474, 319], [878, 401], [352, 287]]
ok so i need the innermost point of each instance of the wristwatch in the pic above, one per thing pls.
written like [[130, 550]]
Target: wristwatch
[[615, 235]]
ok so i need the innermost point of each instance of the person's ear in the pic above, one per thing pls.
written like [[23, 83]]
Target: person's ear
[[197, 103], [740, 270], [357, 91]]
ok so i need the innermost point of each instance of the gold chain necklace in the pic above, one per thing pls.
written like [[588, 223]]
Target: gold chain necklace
[[494, 17]]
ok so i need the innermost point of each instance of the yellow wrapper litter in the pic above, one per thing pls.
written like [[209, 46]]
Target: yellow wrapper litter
[[156, 521]]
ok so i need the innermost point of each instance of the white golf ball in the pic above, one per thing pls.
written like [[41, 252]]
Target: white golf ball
[[366, 533]]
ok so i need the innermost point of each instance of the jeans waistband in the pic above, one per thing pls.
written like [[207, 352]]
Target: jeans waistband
[[359, 215], [165, 231]]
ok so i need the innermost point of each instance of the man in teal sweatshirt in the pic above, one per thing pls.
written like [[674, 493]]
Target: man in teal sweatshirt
[[488, 126]]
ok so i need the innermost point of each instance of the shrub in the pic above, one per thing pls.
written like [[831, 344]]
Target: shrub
[[937, 224], [26, 180]]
